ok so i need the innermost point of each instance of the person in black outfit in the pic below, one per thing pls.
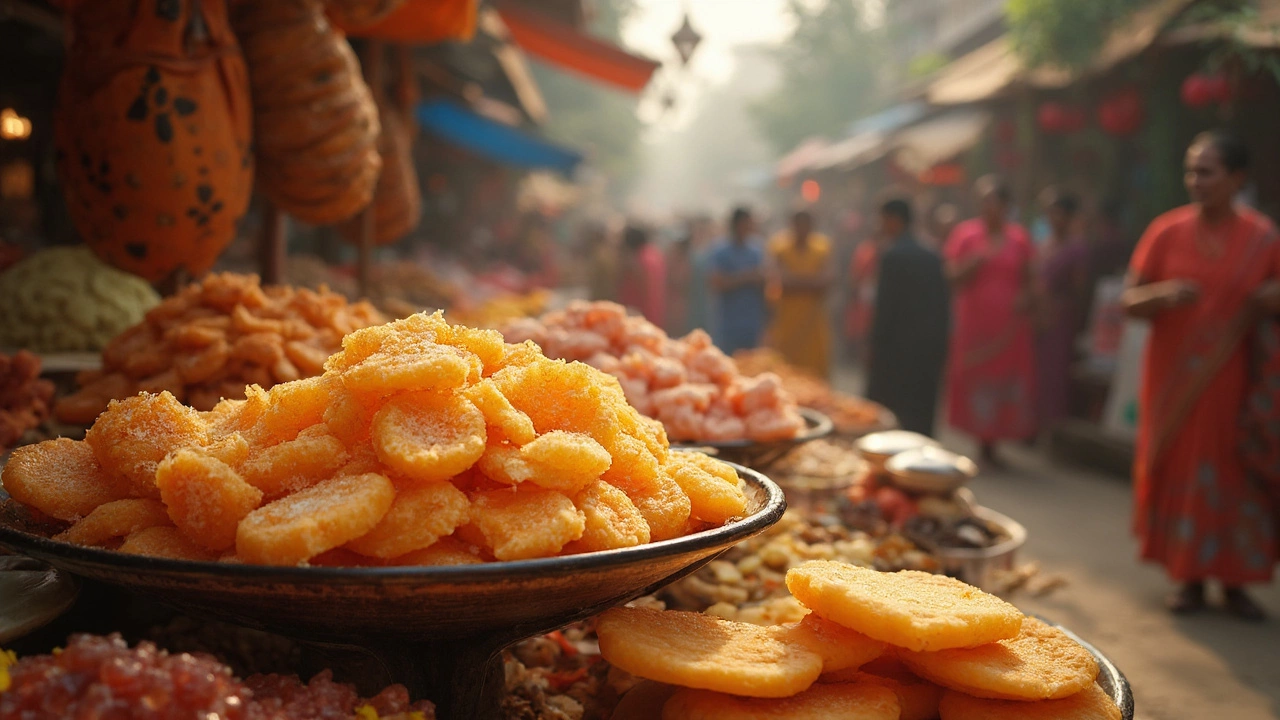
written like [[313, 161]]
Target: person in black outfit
[[910, 326]]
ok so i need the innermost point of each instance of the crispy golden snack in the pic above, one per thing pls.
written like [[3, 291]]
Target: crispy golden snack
[[1041, 663], [116, 519], [445, 551], [820, 702], [701, 651], [612, 521], [300, 526], [712, 499], [565, 461], [840, 648], [133, 435], [205, 498], [165, 541], [917, 698], [420, 515], [429, 436], [908, 609], [60, 478], [526, 522], [1090, 704]]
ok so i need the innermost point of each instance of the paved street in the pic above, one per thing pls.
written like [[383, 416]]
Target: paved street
[[1210, 666]]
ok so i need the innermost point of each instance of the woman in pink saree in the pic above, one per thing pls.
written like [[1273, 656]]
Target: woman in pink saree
[[991, 386]]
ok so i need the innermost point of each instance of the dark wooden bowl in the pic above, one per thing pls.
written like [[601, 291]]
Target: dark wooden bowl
[[438, 630], [760, 455]]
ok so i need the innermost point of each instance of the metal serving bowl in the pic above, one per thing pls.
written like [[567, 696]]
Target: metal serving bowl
[[438, 630], [930, 471]]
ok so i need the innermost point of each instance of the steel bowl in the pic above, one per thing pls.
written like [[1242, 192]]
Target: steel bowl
[[760, 455], [930, 471], [438, 630], [977, 566]]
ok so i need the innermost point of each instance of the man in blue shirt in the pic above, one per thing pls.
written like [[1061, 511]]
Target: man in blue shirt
[[737, 278]]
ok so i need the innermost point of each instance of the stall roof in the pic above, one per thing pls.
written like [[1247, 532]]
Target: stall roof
[[799, 159], [995, 68], [571, 49], [491, 139], [940, 138], [1264, 34]]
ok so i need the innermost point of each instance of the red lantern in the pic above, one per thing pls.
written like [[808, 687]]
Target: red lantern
[[1200, 90], [1122, 113], [1052, 117], [1059, 119]]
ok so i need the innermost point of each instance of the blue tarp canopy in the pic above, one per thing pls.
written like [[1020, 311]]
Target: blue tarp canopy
[[491, 139]]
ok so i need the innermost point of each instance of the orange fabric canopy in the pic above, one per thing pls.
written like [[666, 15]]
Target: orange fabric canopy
[[422, 22], [566, 47]]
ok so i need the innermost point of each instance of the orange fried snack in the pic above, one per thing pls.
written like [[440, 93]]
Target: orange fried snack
[[60, 478], [133, 435], [839, 647], [429, 436], [1041, 663], [300, 526], [701, 651], [114, 520], [1089, 704], [418, 518], [908, 609], [295, 464], [565, 461], [917, 698], [165, 541], [712, 498], [665, 507], [445, 551], [612, 521], [205, 497], [526, 522], [499, 414], [820, 702]]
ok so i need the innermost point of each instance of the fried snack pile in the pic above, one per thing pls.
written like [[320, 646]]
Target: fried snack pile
[[502, 309], [215, 337], [891, 646], [423, 443], [24, 397], [66, 300], [688, 384], [102, 677], [852, 415]]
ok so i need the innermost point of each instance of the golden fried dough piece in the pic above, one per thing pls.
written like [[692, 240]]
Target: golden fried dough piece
[[917, 698], [1090, 704], [711, 498], [232, 449], [712, 466], [420, 515], [664, 506], [349, 417], [295, 464], [820, 702], [133, 435], [499, 414], [644, 701], [526, 522], [556, 395], [165, 541], [705, 652], [114, 520], [564, 461], [445, 551], [908, 609], [839, 647], [300, 526], [1041, 663], [503, 463], [60, 478], [429, 436], [205, 498], [291, 408], [612, 521], [635, 469], [418, 366]]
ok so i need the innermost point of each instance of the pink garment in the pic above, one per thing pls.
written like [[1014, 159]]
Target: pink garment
[[991, 382], [644, 284]]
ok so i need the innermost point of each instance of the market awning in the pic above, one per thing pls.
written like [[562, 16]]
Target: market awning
[[995, 68], [491, 139], [568, 48], [939, 139], [852, 152], [422, 22], [1264, 33], [800, 158]]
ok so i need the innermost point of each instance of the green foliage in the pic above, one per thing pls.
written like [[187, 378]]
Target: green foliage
[[1065, 33], [587, 116], [830, 69], [927, 64], [1234, 24]]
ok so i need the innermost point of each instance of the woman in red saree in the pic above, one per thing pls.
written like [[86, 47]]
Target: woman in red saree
[[1203, 275], [991, 387]]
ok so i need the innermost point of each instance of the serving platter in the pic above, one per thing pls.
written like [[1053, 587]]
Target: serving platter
[[438, 630]]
